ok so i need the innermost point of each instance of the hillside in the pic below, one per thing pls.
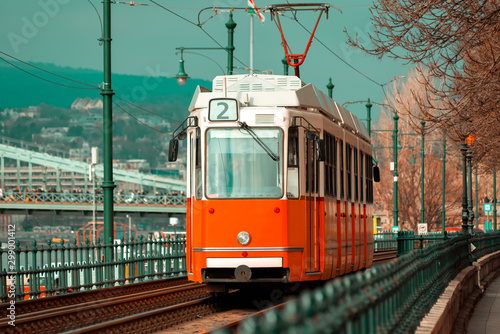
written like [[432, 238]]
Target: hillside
[[23, 90]]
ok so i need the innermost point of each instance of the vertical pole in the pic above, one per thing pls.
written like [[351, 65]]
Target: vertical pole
[[329, 86], [469, 191], [107, 94], [463, 149], [30, 176], [230, 25], [422, 186], [93, 204], [285, 66], [251, 44], [369, 117], [2, 167], [19, 175], [477, 204], [494, 198], [443, 209], [58, 180], [395, 162]]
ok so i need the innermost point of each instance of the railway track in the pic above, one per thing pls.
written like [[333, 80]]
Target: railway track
[[135, 308], [384, 256], [94, 312]]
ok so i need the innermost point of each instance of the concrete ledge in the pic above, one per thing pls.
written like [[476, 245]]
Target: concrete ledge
[[470, 282]]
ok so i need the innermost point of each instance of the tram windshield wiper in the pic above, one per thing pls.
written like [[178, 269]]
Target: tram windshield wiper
[[259, 141]]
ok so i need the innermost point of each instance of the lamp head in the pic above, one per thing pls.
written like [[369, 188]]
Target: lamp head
[[181, 76]]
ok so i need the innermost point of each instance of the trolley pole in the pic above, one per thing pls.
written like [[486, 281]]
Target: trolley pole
[[107, 94]]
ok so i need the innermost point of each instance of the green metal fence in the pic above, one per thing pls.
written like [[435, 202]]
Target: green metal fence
[[408, 241], [389, 298], [52, 269], [385, 240]]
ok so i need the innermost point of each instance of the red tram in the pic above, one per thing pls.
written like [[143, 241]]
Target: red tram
[[280, 184]]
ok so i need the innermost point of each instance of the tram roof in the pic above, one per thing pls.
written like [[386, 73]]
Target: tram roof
[[258, 90]]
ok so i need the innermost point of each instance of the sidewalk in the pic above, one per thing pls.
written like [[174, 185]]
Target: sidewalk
[[486, 317]]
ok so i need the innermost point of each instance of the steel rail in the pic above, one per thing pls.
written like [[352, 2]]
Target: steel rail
[[94, 312]]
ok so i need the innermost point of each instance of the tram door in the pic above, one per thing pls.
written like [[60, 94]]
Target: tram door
[[312, 207]]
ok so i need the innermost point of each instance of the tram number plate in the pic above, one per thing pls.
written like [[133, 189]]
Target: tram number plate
[[223, 110]]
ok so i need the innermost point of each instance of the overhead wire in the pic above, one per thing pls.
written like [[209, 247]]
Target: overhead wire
[[146, 110], [138, 121], [43, 70], [199, 25], [41, 78], [100, 22]]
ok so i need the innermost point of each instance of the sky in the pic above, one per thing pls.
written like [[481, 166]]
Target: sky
[[145, 37]]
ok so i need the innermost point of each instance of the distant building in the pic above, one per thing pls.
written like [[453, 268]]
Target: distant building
[[86, 104]]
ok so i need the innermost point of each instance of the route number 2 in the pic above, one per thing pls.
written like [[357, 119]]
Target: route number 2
[[223, 110]]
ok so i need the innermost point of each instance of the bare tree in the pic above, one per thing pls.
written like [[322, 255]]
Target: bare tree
[[455, 45]]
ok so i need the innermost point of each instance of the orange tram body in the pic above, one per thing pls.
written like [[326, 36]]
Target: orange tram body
[[280, 184]]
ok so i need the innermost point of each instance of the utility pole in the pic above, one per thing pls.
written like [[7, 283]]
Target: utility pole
[[369, 106], [443, 209], [107, 94], [395, 166], [463, 149], [329, 86], [422, 186]]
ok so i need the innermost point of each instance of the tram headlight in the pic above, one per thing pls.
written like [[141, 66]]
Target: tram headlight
[[243, 238]]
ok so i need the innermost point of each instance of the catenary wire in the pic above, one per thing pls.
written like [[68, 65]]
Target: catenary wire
[[100, 21], [138, 121], [36, 76], [43, 70], [146, 110]]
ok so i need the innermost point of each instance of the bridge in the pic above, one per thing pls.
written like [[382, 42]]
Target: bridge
[[79, 199]]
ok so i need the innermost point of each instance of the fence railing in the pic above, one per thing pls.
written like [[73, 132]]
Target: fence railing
[[88, 197], [408, 241], [53, 269], [385, 240], [389, 298]]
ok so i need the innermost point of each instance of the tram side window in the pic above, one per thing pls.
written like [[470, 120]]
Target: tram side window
[[348, 163], [369, 179], [330, 160], [362, 176], [341, 166], [356, 173], [197, 166], [293, 163]]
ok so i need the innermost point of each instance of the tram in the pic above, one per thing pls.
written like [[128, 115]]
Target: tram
[[279, 184]]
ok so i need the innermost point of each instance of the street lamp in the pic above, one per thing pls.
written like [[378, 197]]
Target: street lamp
[[182, 76]]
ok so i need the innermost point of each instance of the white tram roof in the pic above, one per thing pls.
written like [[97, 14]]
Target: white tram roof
[[260, 90]]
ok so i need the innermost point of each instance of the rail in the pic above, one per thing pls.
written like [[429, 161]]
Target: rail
[[53, 269], [391, 297]]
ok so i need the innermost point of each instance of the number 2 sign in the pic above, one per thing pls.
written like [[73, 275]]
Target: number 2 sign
[[223, 110]]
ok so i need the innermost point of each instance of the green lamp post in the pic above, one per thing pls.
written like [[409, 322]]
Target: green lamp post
[[329, 86], [369, 106], [443, 209], [107, 94], [395, 166], [422, 186], [182, 76], [494, 198]]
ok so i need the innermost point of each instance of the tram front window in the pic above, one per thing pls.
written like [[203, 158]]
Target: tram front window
[[238, 166]]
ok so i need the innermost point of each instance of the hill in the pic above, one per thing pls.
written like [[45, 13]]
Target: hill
[[20, 89]]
